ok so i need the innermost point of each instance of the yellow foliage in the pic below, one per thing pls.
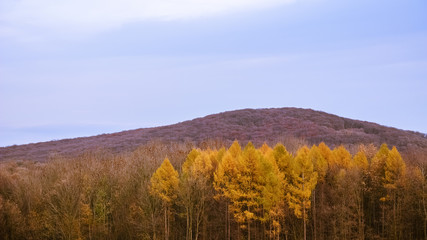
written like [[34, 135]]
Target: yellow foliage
[[250, 180], [395, 169], [303, 181], [340, 158], [319, 161], [164, 182], [360, 161]]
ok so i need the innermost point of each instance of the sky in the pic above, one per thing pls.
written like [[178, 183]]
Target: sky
[[74, 68]]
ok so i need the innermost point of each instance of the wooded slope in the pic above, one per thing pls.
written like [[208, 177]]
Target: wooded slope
[[256, 125]]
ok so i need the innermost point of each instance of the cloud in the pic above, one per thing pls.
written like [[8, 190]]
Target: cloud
[[101, 15]]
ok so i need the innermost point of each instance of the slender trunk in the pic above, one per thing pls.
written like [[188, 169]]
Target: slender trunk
[[205, 226], [305, 231], [425, 210], [394, 216], [314, 215], [188, 224], [169, 223], [249, 228], [322, 191], [238, 231], [198, 221], [383, 222], [361, 223], [284, 228], [153, 225], [166, 224], [226, 222], [303, 209]]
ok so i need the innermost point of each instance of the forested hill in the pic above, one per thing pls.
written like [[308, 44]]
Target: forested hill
[[257, 125]]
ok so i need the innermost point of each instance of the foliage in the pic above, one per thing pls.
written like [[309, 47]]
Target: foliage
[[257, 192]]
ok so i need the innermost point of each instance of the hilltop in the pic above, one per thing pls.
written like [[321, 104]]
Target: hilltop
[[257, 125]]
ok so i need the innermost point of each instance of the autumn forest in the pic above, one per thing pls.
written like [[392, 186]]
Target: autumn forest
[[216, 191]]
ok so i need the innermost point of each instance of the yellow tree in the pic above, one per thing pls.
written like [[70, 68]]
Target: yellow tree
[[188, 191], [246, 192], [203, 170], [360, 161], [197, 188], [284, 161], [321, 167], [251, 182], [224, 178], [340, 158], [394, 175], [326, 153], [164, 185], [379, 161], [360, 167], [272, 180], [303, 181], [376, 174]]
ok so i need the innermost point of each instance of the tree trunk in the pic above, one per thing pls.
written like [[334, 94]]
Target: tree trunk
[[303, 209], [190, 223], [314, 215], [249, 228], [153, 224], [425, 210], [360, 213], [383, 222], [166, 224], [227, 222], [322, 196], [305, 230], [205, 226], [394, 216]]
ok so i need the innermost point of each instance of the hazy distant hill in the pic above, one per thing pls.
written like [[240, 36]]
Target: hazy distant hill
[[257, 125]]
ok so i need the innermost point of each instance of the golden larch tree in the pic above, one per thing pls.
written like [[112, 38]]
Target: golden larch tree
[[164, 185], [303, 181]]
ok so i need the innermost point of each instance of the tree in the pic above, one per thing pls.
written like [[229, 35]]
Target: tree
[[360, 168], [247, 187], [340, 159], [284, 160], [321, 167], [360, 161], [224, 178], [188, 190], [394, 175], [272, 180], [164, 184], [197, 188], [320, 194], [303, 181], [252, 183], [377, 192], [325, 151]]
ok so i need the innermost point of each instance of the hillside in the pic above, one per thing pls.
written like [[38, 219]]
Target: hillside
[[257, 125]]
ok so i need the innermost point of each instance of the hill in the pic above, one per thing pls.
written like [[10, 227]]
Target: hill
[[257, 125]]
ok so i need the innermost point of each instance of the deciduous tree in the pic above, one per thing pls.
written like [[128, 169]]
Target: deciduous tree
[[164, 185]]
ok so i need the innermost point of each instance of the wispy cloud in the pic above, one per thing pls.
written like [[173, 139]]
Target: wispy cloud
[[101, 15]]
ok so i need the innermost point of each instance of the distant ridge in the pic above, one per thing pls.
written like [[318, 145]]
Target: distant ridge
[[257, 125]]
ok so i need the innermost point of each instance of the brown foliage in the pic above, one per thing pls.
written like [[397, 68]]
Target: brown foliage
[[300, 126]]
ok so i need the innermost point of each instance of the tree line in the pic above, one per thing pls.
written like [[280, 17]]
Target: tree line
[[177, 191]]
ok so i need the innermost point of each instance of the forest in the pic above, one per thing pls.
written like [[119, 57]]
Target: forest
[[216, 191]]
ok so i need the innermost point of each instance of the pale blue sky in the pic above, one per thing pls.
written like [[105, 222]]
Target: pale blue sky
[[80, 68]]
